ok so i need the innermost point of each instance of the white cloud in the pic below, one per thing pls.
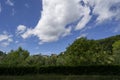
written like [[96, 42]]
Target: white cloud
[[102, 9], [86, 18], [117, 11], [27, 34], [82, 35], [20, 29], [4, 44], [5, 39], [57, 14], [10, 3]]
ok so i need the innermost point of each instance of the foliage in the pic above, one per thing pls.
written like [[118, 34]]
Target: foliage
[[15, 57], [82, 52], [2, 53], [116, 51], [89, 52]]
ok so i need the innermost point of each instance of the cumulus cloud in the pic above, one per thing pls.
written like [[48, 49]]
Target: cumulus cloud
[[10, 3], [21, 29], [57, 14], [27, 34], [103, 9], [5, 39]]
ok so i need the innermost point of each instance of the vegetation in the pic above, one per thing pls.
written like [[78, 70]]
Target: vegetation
[[82, 52]]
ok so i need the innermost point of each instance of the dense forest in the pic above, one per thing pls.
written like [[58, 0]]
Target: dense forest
[[82, 52]]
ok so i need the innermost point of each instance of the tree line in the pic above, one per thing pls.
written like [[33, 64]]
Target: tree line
[[82, 52]]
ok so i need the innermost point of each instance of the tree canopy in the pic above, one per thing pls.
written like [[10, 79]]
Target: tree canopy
[[81, 52]]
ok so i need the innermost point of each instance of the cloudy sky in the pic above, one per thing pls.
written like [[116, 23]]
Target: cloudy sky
[[49, 26]]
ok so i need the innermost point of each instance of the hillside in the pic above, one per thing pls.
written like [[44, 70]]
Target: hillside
[[93, 51]]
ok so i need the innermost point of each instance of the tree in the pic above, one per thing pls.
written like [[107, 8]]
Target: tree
[[22, 53], [88, 52], [82, 52], [2, 56], [16, 57], [2, 53], [35, 60], [116, 51]]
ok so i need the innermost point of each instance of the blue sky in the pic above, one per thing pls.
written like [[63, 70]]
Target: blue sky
[[49, 26]]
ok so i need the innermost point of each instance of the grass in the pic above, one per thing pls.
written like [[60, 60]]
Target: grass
[[60, 77]]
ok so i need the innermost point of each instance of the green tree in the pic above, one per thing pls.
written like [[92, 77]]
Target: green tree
[[2, 56], [116, 51], [16, 57], [88, 52], [35, 60]]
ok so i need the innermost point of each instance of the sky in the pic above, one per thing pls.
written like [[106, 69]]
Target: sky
[[50, 26]]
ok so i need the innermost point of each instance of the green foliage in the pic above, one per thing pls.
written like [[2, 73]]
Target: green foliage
[[116, 52], [2, 56], [89, 52], [2, 53], [108, 42], [36, 60], [15, 58], [82, 52]]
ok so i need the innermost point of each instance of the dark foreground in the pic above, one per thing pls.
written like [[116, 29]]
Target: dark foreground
[[64, 70], [60, 77]]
